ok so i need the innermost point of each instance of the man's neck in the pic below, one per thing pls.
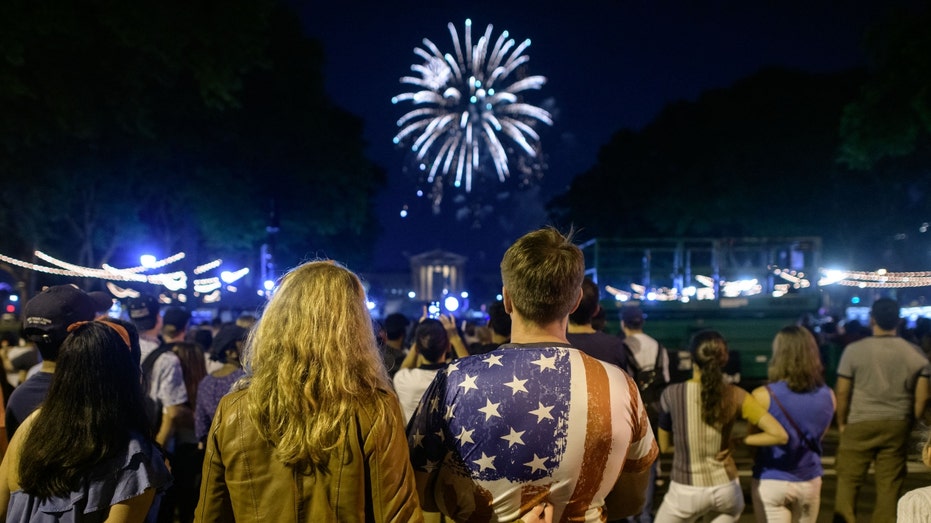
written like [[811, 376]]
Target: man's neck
[[47, 366], [523, 331], [878, 331], [630, 332], [499, 339]]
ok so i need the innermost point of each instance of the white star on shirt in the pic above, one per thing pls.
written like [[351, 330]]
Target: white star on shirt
[[434, 404], [430, 466], [490, 409], [449, 412], [441, 435], [451, 367], [516, 386], [514, 438], [485, 462], [418, 438], [538, 463], [542, 412], [546, 363], [465, 436], [494, 359], [468, 383]]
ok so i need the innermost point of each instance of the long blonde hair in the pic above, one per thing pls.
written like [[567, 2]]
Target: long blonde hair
[[313, 361]]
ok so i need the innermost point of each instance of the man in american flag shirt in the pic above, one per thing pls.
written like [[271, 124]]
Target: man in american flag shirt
[[535, 420]]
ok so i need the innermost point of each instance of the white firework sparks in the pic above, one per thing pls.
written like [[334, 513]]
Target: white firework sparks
[[465, 104]]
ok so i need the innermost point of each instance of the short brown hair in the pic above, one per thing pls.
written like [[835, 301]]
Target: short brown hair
[[543, 272]]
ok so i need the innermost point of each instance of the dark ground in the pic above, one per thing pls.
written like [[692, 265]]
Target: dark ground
[[918, 476]]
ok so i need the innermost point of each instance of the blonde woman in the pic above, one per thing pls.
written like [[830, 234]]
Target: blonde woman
[[316, 434], [786, 483], [695, 421], [915, 505]]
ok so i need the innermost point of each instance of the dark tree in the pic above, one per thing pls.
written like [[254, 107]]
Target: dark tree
[[174, 125], [756, 159], [891, 117]]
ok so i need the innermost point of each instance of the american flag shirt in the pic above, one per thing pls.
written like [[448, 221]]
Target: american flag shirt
[[498, 433]]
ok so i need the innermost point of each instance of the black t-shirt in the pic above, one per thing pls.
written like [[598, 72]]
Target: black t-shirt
[[599, 345]]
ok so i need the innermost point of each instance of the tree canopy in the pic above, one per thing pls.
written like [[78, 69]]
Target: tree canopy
[[755, 159], [172, 126], [891, 117]]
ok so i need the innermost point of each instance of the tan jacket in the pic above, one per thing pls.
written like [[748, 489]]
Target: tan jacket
[[370, 479]]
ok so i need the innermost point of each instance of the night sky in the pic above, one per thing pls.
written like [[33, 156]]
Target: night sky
[[609, 65]]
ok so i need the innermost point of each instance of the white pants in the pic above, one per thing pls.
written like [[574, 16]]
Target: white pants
[[786, 501], [686, 503]]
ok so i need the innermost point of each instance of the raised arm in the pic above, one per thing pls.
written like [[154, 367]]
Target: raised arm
[[410, 361], [449, 323]]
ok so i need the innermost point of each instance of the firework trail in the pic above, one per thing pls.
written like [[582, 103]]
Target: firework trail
[[465, 104]]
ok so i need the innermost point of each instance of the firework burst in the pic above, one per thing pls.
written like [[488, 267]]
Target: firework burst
[[465, 105]]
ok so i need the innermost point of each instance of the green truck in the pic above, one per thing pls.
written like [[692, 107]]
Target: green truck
[[746, 288]]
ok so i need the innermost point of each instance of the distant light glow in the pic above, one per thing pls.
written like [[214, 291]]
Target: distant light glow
[[464, 295], [465, 104], [499, 297], [370, 305], [14, 298], [148, 261], [269, 285], [451, 303], [412, 295], [233, 276]]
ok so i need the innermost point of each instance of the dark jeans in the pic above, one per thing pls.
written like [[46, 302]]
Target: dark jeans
[[180, 499]]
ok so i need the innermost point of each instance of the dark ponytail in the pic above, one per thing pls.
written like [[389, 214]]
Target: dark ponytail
[[709, 352]]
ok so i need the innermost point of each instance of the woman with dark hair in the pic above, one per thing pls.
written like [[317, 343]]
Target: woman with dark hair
[[87, 454], [695, 422], [226, 349], [786, 483]]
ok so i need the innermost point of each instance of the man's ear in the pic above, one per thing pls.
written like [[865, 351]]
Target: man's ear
[[506, 300], [577, 302]]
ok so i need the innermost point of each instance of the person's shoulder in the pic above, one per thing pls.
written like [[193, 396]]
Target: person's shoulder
[[235, 397], [38, 383], [233, 405], [167, 357], [608, 339]]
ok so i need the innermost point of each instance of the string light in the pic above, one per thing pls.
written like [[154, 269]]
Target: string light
[[172, 281]]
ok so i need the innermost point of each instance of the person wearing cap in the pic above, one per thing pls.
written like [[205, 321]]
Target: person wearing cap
[[643, 355], [162, 374], [46, 318], [226, 349], [882, 387]]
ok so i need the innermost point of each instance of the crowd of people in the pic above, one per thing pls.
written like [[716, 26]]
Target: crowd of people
[[308, 413]]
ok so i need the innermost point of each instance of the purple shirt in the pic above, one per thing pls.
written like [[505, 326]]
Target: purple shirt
[[209, 392]]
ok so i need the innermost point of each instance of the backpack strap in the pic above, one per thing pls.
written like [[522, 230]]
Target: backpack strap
[[659, 357], [632, 367], [149, 362]]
